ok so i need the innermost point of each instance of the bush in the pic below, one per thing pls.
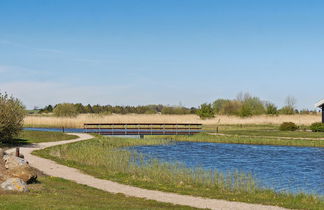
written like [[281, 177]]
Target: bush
[[288, 126], [271, 109], [251, 106], [65, 110], [12, 114], [317, 127], [287, 110], [205, 111]]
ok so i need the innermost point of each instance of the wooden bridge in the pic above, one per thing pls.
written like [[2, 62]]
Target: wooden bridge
[[142, 129]]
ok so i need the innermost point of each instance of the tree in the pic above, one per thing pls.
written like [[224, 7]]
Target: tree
[[12, 114], [205, 111], [271, 109], [289, 108], [219, 105], [65, 110], [291, 101], [251, 106]]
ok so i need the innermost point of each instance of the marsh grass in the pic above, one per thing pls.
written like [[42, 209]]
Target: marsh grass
[[237, 139], [107, 158], [77, 122]]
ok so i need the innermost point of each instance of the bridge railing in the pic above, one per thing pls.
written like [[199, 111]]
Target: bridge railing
[[143, 128]]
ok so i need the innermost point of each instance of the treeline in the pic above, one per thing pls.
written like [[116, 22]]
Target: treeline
[[246, 105], [78, 108]]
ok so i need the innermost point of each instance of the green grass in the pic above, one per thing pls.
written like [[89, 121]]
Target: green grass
[[237, 139], [104, 158], [30, 137], [44, 136], [56, 193], [264, 130]]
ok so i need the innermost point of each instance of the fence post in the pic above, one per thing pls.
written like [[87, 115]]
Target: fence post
[[17, 152]]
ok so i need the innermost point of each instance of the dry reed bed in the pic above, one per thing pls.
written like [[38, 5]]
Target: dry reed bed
[[39, 121]]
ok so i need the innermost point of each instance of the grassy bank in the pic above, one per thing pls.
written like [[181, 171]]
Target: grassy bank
[[103, 158], [29, 137], [44, 136], [265, 130], [77, 122], [256, 140], [56, 193]]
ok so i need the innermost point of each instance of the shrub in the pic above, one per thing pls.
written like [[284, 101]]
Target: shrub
[[317, 127], [251, 106], [288, 126], [231, 108], [287, 110], [205, 111], [271, 109], [12, 114], [65, 110]]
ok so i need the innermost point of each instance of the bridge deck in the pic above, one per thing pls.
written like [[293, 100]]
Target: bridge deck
[[143, 128]]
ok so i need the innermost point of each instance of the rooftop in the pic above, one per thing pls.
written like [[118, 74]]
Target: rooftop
[[320, 103]]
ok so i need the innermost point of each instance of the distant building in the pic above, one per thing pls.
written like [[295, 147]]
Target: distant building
[[320, 104]]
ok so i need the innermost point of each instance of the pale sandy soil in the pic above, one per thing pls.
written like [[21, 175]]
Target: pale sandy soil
[[53, 169], [158, 118]]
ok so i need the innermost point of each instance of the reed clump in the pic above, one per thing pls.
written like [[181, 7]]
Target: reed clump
[[104, 153]]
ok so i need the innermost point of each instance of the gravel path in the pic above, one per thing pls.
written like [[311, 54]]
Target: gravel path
[[53, 169]]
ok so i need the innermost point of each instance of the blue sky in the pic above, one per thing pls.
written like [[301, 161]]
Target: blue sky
[[161, 51]]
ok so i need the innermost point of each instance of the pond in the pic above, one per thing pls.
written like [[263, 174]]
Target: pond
[[281, 168]]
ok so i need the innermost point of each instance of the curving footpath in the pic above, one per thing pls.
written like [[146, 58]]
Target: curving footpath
[[52, 168]]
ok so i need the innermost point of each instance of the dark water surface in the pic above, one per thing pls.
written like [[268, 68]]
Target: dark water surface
[[282, 168]]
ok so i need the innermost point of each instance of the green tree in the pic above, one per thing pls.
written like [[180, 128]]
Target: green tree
[[65, 110], [12, 114], [271, 109], [219, 104], [205, 111], [251, 106]]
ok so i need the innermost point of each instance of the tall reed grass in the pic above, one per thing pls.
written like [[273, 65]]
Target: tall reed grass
[[104, 153], [77, 122]]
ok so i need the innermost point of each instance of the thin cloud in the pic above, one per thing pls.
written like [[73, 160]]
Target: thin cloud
[[55, 52], [16, 44]]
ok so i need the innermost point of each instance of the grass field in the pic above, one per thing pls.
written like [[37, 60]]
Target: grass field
[[42, 136], [29, 137], [256, 140], [264, 130], [51, 121], [56, 193], [103, 158]]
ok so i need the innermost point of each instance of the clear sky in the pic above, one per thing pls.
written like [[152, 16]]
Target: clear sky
[[161, 51]]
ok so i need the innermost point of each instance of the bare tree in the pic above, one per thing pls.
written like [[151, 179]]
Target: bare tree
[[291, 101]]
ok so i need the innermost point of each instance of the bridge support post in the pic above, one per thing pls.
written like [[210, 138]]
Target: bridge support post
[[141, 136]]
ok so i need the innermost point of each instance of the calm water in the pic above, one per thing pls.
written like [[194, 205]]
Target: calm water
[[281, 168]]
